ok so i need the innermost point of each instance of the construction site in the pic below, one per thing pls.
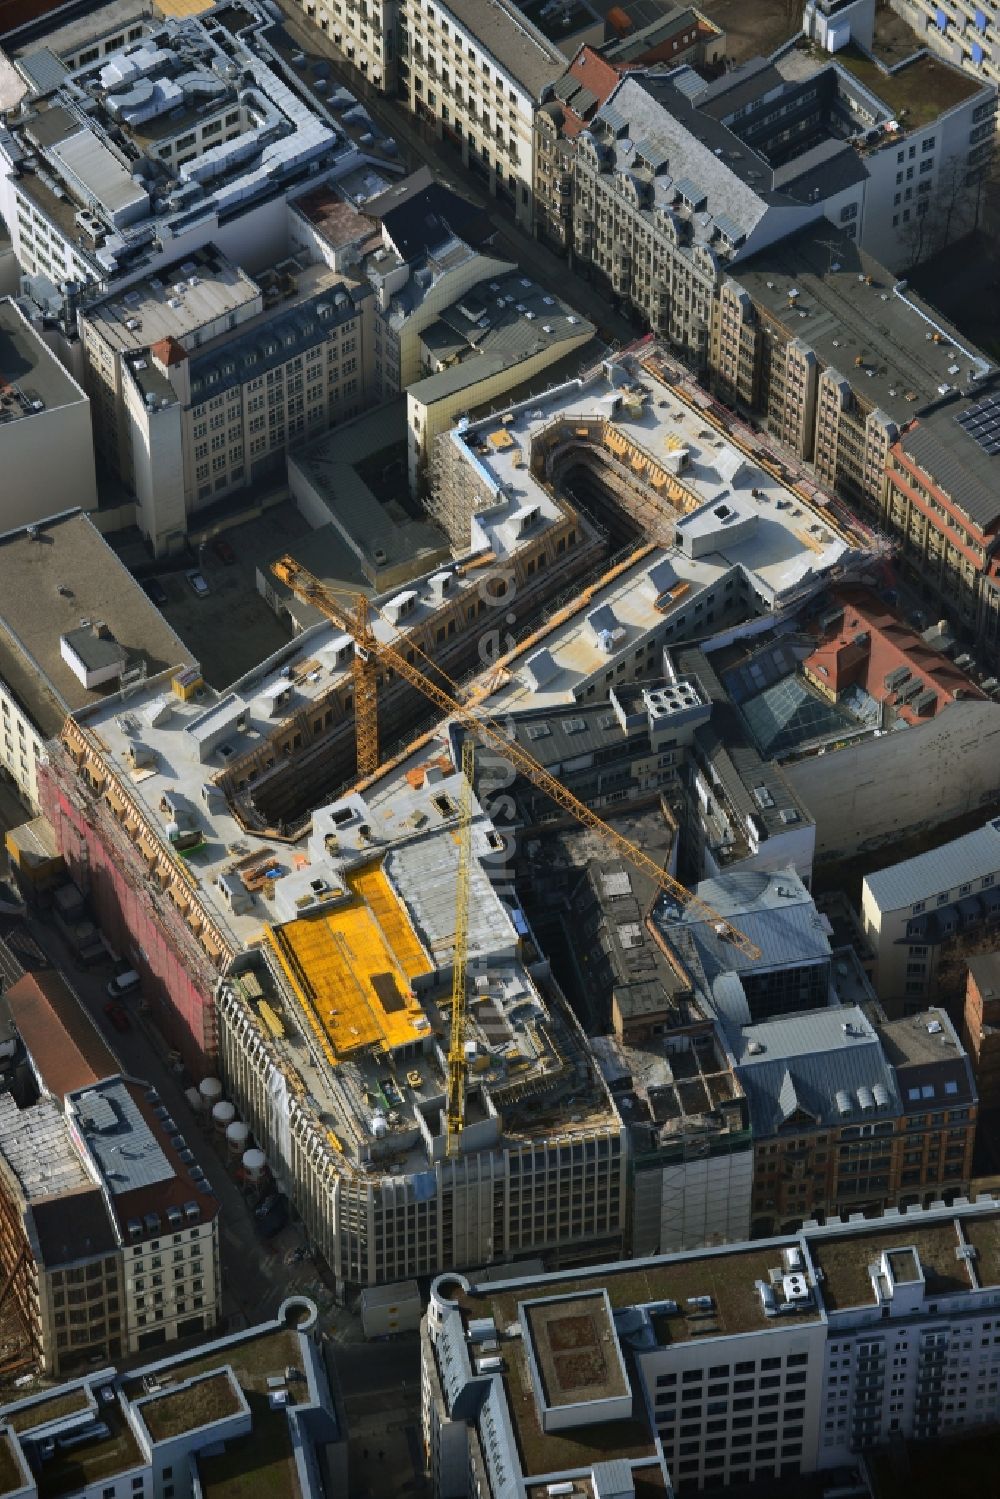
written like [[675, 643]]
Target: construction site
[[357, 963]]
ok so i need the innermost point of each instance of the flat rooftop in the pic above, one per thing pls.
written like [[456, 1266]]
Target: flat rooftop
[[785, 539], [358, 959], [31, 378], [848, 320], [69, 567], [494, 327], [503, 31], [210, 1397], [918, 92], [844, 1259], [203, 289]]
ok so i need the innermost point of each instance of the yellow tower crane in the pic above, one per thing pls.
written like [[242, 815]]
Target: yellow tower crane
[[459, 991], [312, 591]]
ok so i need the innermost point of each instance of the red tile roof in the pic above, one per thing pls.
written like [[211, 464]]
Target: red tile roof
[[66, 1048], [868, 643], [591, 72], [168, 351]]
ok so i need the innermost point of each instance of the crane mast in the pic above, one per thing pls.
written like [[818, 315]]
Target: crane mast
[[312, 591], [459, 991]]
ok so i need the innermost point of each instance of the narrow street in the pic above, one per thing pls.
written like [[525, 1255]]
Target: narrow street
[[420, 145]]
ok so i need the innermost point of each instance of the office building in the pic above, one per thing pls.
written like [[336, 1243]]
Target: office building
[[478, 75], [754, 1362], [540, 1165], [46, 441], [75, 625], [839, 356], [239, 1413], [203, 378], [911, 910], [139, 144]]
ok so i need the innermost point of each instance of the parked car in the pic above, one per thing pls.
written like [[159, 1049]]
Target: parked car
[[116, 1014], [155, 591], [223, 550], [274, 1221], [197, 582], [124, 983]]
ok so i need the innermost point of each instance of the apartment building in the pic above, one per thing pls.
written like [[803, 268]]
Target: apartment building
[[97, 628], [939, 500], [585, 86], [911, 910], [165, 1215], [58, 1248], [753, 1362], [253, 1408], [478, 75], [839, 356], [203, 378], [46, 442], [108, 1236]]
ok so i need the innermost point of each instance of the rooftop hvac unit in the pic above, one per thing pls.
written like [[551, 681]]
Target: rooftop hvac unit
[[795, 1287], [768, 1303]]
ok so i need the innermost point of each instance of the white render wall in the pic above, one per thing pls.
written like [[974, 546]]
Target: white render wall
[[871, 793], [47, 463]]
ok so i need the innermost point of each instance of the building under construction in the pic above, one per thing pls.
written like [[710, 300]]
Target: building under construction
[[303, 940], [335, 1043]]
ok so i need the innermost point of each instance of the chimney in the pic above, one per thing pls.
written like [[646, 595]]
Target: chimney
[[101, 630]]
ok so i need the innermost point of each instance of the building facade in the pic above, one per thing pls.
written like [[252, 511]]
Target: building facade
[[981, 1026], [46, 442], [479, 75], [759, 1361], [910, 911]]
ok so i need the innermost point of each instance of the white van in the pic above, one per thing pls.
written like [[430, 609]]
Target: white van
[[124, 983]]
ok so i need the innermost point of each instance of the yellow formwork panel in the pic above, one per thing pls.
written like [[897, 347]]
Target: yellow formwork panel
[[352, 965], [183, 7]]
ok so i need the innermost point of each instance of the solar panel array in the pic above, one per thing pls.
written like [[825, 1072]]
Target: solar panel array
[[982, 422]]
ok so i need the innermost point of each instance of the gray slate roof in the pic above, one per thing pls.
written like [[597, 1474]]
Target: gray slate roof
[[119, 1138], [775, 911], [805, 1060], [519, 47], [963, 861], [966, 472]]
